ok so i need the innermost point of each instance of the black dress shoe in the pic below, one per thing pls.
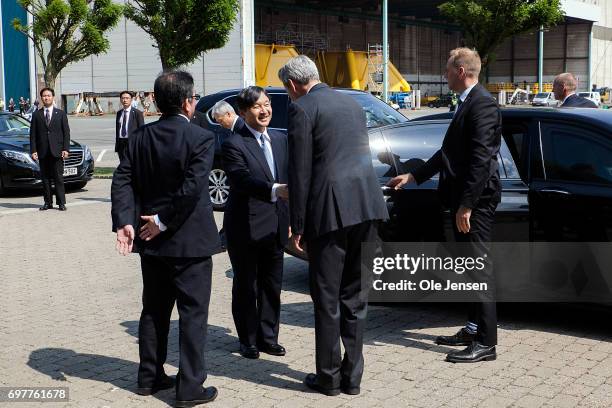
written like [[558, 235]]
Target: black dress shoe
[[461, 338], [45, 207], [208, 394], [163, 383], [62, 207], [311, 382], [351, 390], [249, 351], [474, 353], [272, 349]]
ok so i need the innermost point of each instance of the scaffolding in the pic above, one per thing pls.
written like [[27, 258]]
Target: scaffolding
[[305, 38], [375, 68]]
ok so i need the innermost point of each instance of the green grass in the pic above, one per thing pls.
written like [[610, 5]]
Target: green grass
[[104, 171]]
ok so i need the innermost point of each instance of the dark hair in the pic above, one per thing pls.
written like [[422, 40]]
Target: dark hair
[[47, 89], [126, 92], [249, 97], [171, 89]]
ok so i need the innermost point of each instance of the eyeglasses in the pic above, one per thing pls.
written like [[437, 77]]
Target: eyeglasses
[[196, 97]]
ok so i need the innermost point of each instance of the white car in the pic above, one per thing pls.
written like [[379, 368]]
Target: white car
[[544, 99], [591, 96]]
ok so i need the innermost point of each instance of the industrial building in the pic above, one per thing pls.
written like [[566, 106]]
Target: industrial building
[[419, 41]]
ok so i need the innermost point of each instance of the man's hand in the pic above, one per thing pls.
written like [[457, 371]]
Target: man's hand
[[65, 154], [35, 156], [399, 181], [125, 239], [150, 230], [462, 218], [296, 242], [282, 192]]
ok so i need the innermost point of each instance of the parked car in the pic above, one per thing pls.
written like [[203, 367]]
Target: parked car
[[377, 113], [19, 171], [443, 101], [544, 99], [591, 96]]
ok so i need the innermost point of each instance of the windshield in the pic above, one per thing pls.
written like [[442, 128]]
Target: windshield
[[585, 94], [377, 112], [10, 124], [542, 95]]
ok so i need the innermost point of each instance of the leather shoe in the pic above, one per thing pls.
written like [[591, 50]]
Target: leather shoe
[[474, 353], [461, 338], [45, 207], [163, 383], [311, 382], [248, 351], [272, 349], [62, 207], [208, 394], [351, 390]]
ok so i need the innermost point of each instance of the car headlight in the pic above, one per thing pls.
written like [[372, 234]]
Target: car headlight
[[17, 157], [88, 155]]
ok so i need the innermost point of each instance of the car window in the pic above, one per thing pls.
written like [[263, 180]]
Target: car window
[[280, 103], [382, 160], [541, 95], [10, 123], [576, 154], [515, 135], [377, 112]]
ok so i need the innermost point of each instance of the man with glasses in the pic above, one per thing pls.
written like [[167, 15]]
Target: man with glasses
[[128, 120]]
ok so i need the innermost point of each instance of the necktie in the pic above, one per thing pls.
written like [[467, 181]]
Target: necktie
[[268, 153], [47, 116], [123, 124]]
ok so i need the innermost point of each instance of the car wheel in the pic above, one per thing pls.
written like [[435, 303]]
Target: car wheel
[[430, 105], [218, 189]]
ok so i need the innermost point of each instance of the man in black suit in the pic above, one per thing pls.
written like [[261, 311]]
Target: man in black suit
[[469, 185], [224, 114], [336, 202], [50, 146], [161, 208], [564, 88], [256, 223], [128, 120]]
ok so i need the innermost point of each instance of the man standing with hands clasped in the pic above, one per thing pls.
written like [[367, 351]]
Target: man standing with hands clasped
[[128, 120], [469, 185], [50, 146], [335, 202], [162, 209]]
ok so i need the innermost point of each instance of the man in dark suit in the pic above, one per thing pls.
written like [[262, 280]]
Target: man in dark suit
[[564, 88], [469, 185], [50, 146], [128, 120], [224, 114], [161, 208], [336, 202], [256, 223]]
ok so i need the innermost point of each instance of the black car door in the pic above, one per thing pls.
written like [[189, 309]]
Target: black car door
[[571, 190]]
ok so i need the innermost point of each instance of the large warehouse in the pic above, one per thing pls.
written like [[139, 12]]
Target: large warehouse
[[419, 41]]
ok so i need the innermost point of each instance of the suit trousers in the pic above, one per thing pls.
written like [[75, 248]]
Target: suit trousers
[[121, 147], [188, 282], [340, 297], [52, 168], [483, 313], [258, 278]]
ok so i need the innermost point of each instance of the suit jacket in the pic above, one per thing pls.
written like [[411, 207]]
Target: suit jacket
[[165, 172], [51, 140], [467, 161], [136, 121], [199, 119], [576, 101], [250, 215], [332, 183]]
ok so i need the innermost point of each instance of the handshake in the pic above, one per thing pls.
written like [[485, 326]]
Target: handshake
[[282, 191]]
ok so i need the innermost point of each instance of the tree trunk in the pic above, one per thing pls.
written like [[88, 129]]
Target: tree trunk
[[50, 77]]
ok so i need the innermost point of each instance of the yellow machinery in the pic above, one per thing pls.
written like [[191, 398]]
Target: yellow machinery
[[510, 87], [348, 69]]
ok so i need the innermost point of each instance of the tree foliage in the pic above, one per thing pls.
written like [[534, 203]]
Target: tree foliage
[[488, 23], [183, 29], [67, 31]]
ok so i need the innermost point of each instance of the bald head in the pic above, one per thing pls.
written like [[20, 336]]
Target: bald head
[[564, 84]]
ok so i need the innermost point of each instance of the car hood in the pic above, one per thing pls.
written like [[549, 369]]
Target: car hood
[[21, 142]]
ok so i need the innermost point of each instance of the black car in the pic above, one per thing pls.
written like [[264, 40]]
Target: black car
[[378, 114], [19, 171]]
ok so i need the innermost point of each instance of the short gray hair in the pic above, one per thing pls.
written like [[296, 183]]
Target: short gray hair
[[300, 69], [568, 80], [221, 108]]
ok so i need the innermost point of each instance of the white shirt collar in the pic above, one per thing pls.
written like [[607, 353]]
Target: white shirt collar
[[186, 118], [234, 123], [465, 93], [127, 110], [258, 134], [565, 99]]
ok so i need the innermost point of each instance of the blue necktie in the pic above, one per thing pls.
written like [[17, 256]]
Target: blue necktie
[[268, 154], [123, 127]]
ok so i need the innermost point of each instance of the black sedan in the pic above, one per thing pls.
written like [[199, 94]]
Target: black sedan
[[19, 171], [377, 113]]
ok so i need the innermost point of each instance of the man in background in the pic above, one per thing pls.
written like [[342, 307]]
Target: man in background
[[128, 120], [564, 88]]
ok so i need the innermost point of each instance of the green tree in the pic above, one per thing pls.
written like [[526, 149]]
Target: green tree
[[67, 31], [183, 29], [488, 23]]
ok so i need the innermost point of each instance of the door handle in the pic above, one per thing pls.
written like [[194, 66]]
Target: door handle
[[555, 191]]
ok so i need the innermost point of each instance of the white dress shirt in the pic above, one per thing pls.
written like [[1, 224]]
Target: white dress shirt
[[125, 115], [268, 146], [50, 110]]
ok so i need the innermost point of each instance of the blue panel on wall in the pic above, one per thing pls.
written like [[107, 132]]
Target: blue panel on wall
[[15, 49]]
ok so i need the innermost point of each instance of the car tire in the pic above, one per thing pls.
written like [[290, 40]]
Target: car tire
[[218, 189], [430, 105]]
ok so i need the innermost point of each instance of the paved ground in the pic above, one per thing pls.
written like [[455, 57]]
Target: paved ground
[[69, 309]]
